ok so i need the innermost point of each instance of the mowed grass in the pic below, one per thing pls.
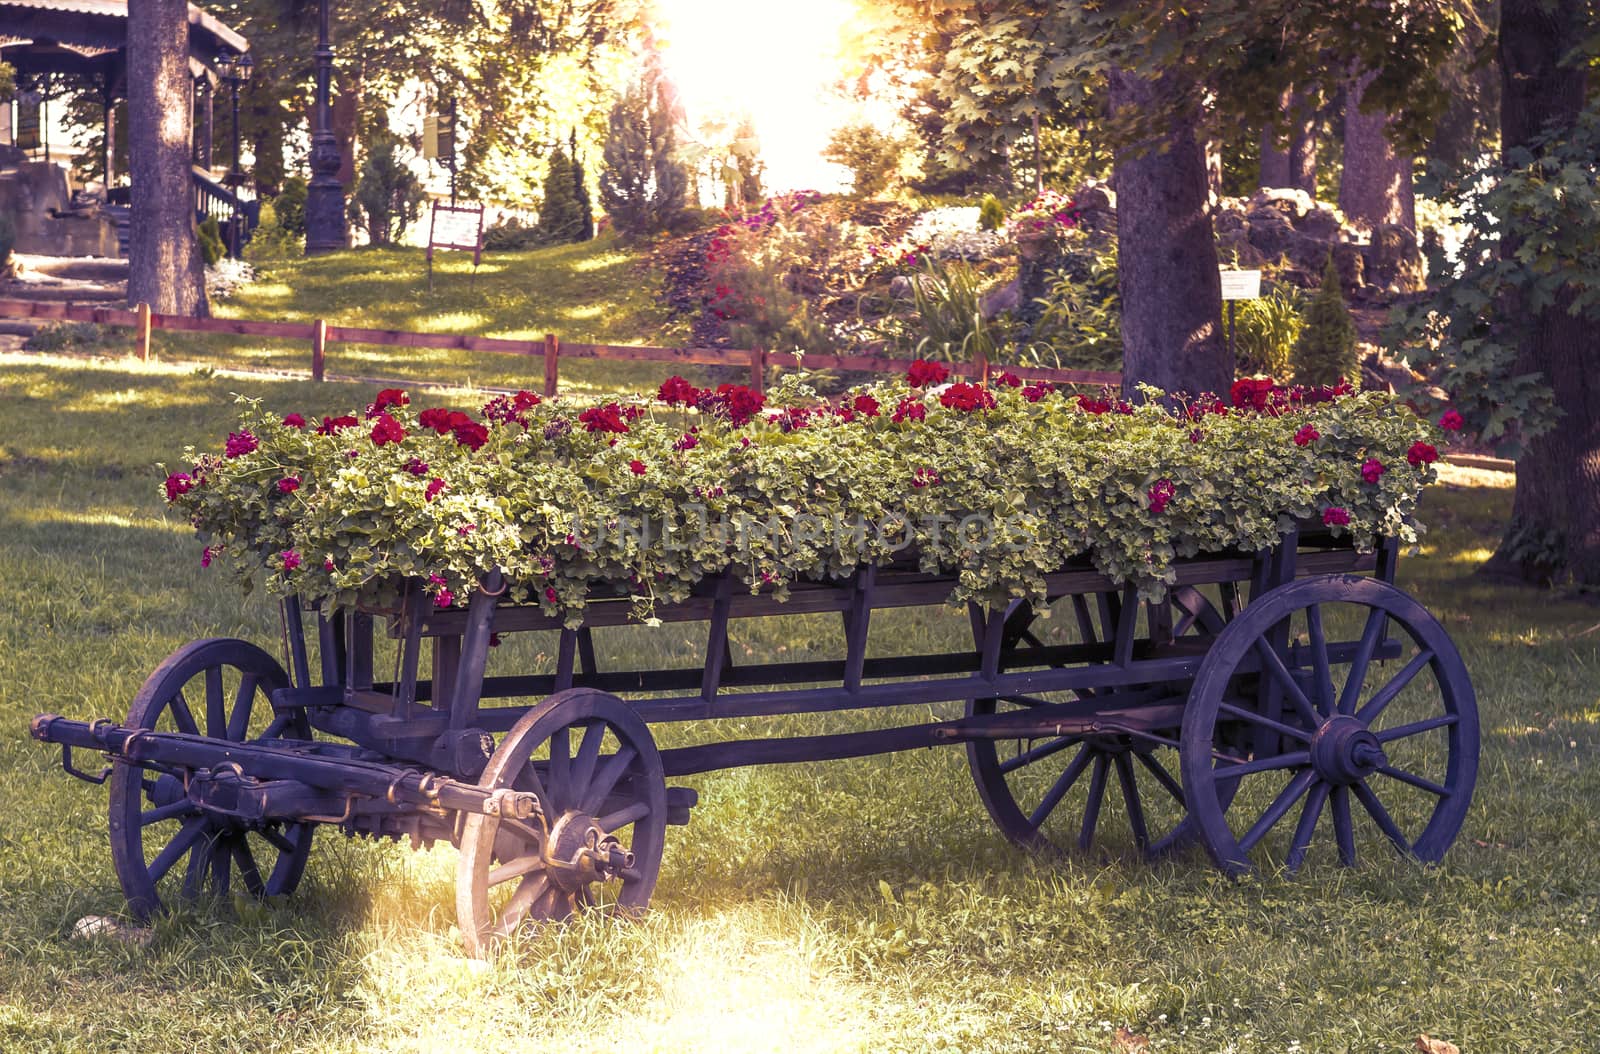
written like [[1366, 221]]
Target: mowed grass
[[596, 292], [852, 905]]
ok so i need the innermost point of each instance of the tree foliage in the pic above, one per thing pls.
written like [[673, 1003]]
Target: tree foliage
[[644, 186], [561, 215], [1325, 352], [388, 196]]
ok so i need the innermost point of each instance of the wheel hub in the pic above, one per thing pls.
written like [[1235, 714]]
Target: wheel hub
[[578, 853], [1344, 751]]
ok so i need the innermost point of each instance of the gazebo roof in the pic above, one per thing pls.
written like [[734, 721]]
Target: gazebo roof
[[90, 37]]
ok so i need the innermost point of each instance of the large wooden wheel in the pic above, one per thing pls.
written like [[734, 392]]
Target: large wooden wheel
[[1054, 792], [1292, 716], [219, 688], [592, 764]]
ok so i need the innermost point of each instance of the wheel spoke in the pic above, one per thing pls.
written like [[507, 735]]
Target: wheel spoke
[[612, 822], [181, 807], [1309, 814], [180, 844], [515, 868], [1274, 812], [243, 702], [1162, 776], [1290, 760], [1097, 796], [1272, 662], [216, 714], [182, 716], [1414, 780], [516, 909], [1246, 714], [1381, 817], [194, 876], [529, 833], [222, 864], [1416, 728], [560, 767], [1319, 660], [1038, 753], [1386, 695], [248, 872], [1344, 831], [588, 754], [612, 771], [1356, 679], [279, 840], [1130, 797], [1059, 788]]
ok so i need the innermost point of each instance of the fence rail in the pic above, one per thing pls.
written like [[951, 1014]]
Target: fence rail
[[319, 334]]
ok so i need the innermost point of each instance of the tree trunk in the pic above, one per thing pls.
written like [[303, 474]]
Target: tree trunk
[[1167, 254], [1275, 155], [165, 269], [1376, 187], [346, 117], [1303, 143], [1555, 529]]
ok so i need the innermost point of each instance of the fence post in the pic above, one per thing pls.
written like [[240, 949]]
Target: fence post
[[319, 348], [141, 331], [982, 362], [552, 352], [758, 370]]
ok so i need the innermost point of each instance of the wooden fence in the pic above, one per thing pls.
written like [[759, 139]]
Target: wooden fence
[[318, 334]]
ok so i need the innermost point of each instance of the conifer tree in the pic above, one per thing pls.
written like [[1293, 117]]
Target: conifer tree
[[1326, 350], [580, 190], [644, 186], [560, 219]]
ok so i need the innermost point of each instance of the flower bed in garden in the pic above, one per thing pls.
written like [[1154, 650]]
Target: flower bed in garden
[[995, 486]]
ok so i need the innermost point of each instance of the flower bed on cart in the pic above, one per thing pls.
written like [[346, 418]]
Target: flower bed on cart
[[995, 486]]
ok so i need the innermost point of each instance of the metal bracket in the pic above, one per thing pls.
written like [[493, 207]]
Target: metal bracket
[[73, 770], [519, 805]]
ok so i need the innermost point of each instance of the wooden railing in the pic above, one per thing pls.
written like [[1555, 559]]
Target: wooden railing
[[318, 334]]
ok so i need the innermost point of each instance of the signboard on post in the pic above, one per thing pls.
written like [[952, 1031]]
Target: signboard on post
[[1236, 286], [455, 227]]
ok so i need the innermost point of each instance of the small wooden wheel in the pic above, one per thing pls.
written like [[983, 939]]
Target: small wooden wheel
[[1035, 790], [598, 841], [1292, 716], [225, 683]]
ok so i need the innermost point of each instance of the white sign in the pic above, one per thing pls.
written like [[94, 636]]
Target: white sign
[[1241, 285]]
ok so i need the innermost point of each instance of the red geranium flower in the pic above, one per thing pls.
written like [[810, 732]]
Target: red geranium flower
[[436, 418], [1336, 516], [417, 467], [241, 443], [387, 430], [288, 484], [688, 442], [1160, 493], [607, 418], [1306, 435], [1371, 469], [330, 425], [1034, 392], [925, 477], [1422, 454], [866, 406], [1008, 379], [967, 397], [470, 434], [736, 402], [328, 564], [206, 555], [291, 559], [434, 487], [1094, 406], [925, 374], [675, 391], [293, 421], [909, 409], [386, 398], [178, 484], [1451, 421], [637, 467]]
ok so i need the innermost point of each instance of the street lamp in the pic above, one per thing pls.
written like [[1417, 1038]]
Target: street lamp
[[236, 70], [325, 229]]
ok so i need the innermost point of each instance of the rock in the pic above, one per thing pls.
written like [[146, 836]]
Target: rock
[[900, 286], [92, 926], [1270, 231], [1227, 220], [1320, 222], [1095, 196], [1234, 247], [1428, 1045], [1351, 265], [1001, 299], [1394, 260], [1291, 201]]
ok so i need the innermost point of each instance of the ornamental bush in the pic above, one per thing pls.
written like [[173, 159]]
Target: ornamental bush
[[995, 487], [1325, 353]]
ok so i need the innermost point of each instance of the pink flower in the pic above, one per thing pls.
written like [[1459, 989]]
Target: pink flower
[[1335, 516], [1160, 493], [688, 442], [925, 477], [387, 430], [206, 556], [1371, 469], [466, 529], [288, 484], [293, 421], [178, 484], [434, 488], [550, 594], [291, 559], [328, 565], [443, 598], [1451, 421], [636, 467], [1422, 454], [417, 467], [241, 443], [1306, 436]]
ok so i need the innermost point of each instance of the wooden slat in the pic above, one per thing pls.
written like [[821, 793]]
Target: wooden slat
[[450, 341], [242, 327]]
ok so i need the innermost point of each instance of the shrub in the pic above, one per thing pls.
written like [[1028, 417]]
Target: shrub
[[8, 239], [211, 247], [947, 320], [1326, 350], [561, 214], [991, 213], [644, 186], [271, 240], [1268, 329], [509, 235], [290, 205], [388, 196], [69, 336], [1080, 320], [872, 157]]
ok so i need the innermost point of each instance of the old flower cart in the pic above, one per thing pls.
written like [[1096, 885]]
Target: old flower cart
[[1246, 701]]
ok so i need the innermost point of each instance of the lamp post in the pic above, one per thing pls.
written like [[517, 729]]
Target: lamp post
[[236, 71], [325, 229]]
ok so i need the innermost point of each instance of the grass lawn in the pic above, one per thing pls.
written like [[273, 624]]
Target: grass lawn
[[596, 292], [856, 905]]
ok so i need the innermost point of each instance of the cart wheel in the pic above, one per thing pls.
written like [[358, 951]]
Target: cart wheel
[[1036, 791], [1290, 710], [598, 842], [217, 687]]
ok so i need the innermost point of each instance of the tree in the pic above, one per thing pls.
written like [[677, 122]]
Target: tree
[[580, 191], [644, 186], [872, 157], [1325, 352], [388, 196], [165, 269], [560, 214], [1376, 186]]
